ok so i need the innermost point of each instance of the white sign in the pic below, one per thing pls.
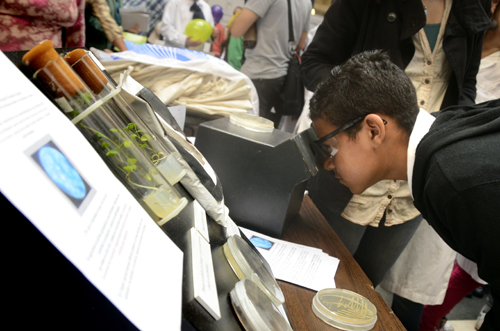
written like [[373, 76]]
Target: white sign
[[205, 289], [200, 220], [56, 179]]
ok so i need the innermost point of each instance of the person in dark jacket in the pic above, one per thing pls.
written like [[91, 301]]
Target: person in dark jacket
[[438, 44], [352, 26], [370, 128]]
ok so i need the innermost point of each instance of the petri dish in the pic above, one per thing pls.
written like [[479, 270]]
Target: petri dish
[[345, 310], [247, 264], [255, 310], [252, 122]]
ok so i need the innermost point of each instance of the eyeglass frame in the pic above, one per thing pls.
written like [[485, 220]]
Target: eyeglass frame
[[319, 142]]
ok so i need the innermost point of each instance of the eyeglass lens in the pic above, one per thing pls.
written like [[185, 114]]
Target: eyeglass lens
[[330, 147]]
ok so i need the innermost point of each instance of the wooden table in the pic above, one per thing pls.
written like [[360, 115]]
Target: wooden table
[[310, 228]]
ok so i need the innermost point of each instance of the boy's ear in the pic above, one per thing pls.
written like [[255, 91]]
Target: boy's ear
[[375, 128]]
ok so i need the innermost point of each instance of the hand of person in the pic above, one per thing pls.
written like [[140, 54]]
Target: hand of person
[[135, 29], [215, 33], [192, 43], [120, 44]]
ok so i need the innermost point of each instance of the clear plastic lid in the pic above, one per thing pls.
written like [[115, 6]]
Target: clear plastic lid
[[344, 309], [255, 310], [247, 264], [252, 122]]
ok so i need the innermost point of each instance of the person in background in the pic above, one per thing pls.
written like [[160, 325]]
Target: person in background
[[464, 278], [24, 24], [440, 51], [177, 14], [266, 64], [488, 77], [217, 14], [415, 279], [234, 50], [102, 29], [155, 8], [370, 128]]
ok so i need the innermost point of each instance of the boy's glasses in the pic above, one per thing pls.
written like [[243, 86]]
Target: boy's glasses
[[329, 150]]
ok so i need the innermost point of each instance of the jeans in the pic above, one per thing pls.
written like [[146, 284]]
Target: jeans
[[268, 91]]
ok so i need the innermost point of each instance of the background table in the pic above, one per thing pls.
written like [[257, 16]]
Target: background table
[[310, 228]]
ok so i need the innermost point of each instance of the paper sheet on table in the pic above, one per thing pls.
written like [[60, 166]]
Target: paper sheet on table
[[57, 180], [297, 264]]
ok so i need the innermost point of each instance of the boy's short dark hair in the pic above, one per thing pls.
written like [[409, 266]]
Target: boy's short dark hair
[[366, 83]]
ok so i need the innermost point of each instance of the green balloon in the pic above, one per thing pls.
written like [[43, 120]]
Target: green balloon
[[198, 29]]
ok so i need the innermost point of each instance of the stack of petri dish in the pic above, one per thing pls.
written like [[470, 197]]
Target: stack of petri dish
[[246, 263], [255, 310]]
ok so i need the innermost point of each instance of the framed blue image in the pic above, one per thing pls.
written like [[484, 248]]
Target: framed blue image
[[261, 243], [59, 169]]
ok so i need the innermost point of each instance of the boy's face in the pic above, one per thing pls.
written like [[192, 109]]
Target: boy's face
[[354, 161]]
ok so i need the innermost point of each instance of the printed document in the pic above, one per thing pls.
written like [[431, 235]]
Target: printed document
[[297, 264]]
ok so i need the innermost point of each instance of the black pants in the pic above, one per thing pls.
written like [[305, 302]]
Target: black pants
[[408, 312], [268, 91]]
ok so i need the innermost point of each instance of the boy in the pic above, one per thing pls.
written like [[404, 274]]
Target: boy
[[370, 128]]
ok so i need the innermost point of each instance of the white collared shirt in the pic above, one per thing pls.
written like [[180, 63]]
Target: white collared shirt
[[422, 126], [488, 78], [176, 16]]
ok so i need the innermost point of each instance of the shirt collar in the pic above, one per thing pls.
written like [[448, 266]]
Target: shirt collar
[[422, 126]]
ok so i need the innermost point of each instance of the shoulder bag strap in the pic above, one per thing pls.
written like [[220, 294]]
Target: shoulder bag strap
[[290, 22]]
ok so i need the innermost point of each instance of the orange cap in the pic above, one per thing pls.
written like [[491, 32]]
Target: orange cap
[[56, 74], [39, 55], [87, 69]]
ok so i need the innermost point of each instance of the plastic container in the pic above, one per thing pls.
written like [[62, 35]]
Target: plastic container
[[252, 122], [344, 309], [255, 310], [247, 264]]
